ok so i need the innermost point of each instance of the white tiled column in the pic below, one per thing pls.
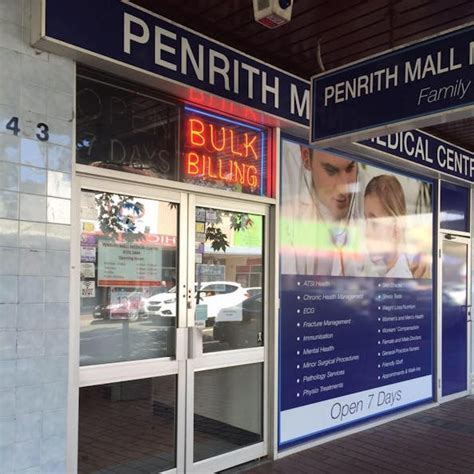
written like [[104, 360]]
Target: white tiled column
[[35, 208]]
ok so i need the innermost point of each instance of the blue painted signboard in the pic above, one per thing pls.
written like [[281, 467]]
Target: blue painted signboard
[[426, 150], [133, 36], [403, 86]]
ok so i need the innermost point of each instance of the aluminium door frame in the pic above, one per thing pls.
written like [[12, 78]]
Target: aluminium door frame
[[463, 238], [230, 358], [121, 371], [183, 195]]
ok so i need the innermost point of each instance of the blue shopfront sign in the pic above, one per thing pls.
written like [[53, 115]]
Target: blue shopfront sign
[[127, 34], [426, 150], [404, 87]]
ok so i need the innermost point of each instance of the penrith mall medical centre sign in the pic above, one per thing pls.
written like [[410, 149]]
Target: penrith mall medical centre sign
[[172, 54], [409, 87], [121, 33]]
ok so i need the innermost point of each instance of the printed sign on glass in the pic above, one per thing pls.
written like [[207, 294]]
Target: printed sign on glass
[[356, 292]]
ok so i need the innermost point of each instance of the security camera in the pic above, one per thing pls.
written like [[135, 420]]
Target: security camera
[[272, 13]]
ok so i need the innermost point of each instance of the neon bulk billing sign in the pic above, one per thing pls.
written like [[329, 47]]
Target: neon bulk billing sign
[[224, 153], [409, 87]]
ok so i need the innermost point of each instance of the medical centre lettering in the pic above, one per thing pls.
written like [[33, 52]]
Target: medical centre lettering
[[425, 149]]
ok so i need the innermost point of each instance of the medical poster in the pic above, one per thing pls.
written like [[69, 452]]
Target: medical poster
[[356, 292]]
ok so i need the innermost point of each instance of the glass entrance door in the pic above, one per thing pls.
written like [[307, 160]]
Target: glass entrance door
[[171, 330], [226, 315], [455, 315]]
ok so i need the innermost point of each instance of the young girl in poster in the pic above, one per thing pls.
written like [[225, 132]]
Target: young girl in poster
[[385, 214]]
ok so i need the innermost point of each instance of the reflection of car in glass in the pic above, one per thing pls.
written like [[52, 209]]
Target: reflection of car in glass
[[240, 326], [153, 307], [214, 296], [123, 306], [211, 297], [254, 290]]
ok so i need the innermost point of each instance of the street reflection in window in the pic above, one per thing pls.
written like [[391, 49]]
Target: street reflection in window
[[128, 278]]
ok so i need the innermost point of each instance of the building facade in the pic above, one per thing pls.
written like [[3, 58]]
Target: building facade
[[186, 284]]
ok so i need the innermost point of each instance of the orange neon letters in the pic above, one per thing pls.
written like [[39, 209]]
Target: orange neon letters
[[219, 153]]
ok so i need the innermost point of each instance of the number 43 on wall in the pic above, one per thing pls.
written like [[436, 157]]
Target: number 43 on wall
[[42, 133]]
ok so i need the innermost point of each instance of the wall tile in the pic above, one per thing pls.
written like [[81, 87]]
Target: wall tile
[[32, 235], [54, 423], [59, 211], [33, 152], [30, 317], [8, 340], [9, 261], [32, 180], [28, 426], [8, 289], [11, 37], [8, 316], [56, 342], [11, 11], [58, 237], [7, 373], [53, 449], [31, 289], [59, 158], [56, 316], [60, 105], [29, 399], [9, 176], [33, 98], [57, 263], [6, 114], [9, 148], [55, 395], [61, 77], [30, 344], [10, 75], [7, 455], [59, 184], [27, 454], [60, 132], [34, 71], [30, 120], [8, 233], [56, 290], [8, 205], [32, 262], [7, 402], [7, 431], [29, 372], [35, 87], [54, 369], [32, 208]]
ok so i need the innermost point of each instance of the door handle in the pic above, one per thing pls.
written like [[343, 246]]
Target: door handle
[[194, 342]]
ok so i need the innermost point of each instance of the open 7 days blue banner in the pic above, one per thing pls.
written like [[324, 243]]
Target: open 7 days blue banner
[[356, 293]]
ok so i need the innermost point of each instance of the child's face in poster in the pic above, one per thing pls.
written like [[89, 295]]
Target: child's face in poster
[[381, 230]]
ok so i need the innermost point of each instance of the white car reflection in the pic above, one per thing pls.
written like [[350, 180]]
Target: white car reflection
[[211, 298]]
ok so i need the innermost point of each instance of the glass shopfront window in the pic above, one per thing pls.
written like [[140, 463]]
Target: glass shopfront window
[[121, 129], [128, 278]]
